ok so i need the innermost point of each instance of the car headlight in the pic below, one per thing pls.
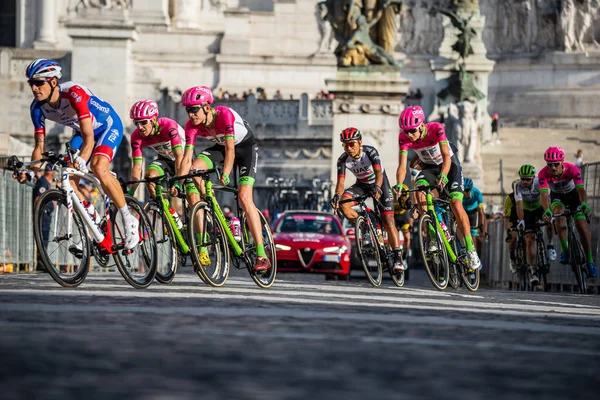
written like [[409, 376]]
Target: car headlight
[[335, 249], [282, 247]]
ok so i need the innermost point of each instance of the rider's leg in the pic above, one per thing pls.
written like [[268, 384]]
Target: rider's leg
[[153, 171], [247, 203], [530, 245], [406, 234], [390, 228], [462, 220], [561, 227], [193, 196], [100, 167], [349, 213]]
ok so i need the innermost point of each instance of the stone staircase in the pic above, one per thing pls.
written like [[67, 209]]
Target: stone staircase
[[527, 145]]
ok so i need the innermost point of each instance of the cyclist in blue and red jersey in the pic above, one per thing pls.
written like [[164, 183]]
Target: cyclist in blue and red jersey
[[98, 130]]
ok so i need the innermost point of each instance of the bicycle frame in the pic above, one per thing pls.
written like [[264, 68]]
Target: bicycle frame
[[431, 211], [183, 246], [234, 245], [104, 241]]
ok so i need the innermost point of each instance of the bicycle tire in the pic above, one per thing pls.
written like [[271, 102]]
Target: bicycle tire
[[368, 253], [168, 258], [438, 278], [542, 261], [267, 279], [524, 274], [42, 244], [471, 279], [578, 263], [217, 272], [142, 257], [454, 277]]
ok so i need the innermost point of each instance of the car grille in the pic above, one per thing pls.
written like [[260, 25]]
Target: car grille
[[289, 264], [326, 266], [306, 256]]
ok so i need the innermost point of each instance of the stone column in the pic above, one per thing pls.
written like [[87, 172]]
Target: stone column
[[102, 56], [187, 14], [370, 99], [151, 12], [47, 19]]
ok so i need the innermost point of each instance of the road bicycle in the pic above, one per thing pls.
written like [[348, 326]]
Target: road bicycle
[[541, 257], [443, 253], [63, 226], [577, 258], [376, 254], [209, 229], [522, 268], [171, 241]]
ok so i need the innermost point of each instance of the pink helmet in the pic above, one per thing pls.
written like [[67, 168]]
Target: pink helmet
[[411, 117], [495, 116], [196, 96], [554, 154], [143, 109]]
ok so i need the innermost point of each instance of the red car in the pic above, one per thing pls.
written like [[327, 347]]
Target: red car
[[311, 241]]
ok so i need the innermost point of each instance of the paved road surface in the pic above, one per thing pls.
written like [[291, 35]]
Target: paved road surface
[[303, 339]]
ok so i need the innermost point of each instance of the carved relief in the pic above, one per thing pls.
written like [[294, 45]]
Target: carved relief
[[531, 26], [425, 36], [108, 4]]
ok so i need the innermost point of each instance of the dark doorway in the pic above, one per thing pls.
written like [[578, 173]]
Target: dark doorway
[[8, 24]]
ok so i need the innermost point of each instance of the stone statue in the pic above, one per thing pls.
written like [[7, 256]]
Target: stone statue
[[522, 28], [567, 25], [407, 25], [587, 13], [364, 29], [547, 19], [467, 133], [325, 28], [467, 33]]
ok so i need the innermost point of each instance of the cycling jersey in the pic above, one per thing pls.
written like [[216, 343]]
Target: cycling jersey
[[363, 168], [169, 137], [530, 196], [565, 183], [76, 104], [428, 149], [510, 210], [473, 203], [227, 124]]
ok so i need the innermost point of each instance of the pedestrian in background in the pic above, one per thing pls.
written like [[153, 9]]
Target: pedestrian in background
[[495, 128], [579, 158]]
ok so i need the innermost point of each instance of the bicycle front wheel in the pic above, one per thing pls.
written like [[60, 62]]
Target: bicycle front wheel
[[138, 265], [367, 245], [65, 257], [263, 279], [578, 264], [166, 246], [542, 262], [208, 245], [434, 253]]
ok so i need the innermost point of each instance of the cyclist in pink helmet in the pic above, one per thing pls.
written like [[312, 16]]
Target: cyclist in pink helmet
[[561, 187], [163, 135], [234, 146], [439, 167]]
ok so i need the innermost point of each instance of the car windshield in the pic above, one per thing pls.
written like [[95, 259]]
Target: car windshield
[[308, 224]]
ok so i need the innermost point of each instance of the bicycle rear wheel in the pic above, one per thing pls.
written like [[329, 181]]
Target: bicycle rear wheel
[[542, 262], [368, 249], [207, 237], [166, 245], [434, 253], [67, 259], [138, 265], [263, 279]]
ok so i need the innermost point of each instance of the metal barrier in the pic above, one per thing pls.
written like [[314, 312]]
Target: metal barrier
[[16, 227]]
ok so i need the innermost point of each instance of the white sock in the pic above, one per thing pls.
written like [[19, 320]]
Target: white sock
[[124, 211]]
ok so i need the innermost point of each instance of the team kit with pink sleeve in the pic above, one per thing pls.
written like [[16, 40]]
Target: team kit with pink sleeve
[[76, 104], [430, 154], [563, 188], [227, 124], [168, 138]]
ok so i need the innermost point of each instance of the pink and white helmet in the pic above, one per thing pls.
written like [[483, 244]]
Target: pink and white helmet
[[143, 109], [554, 154], [196, 96], [411, 117]]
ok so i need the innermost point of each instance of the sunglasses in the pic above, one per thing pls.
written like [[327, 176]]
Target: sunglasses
[[192, 110], [36, 82], [411, 131], [553, 164], [141, 122], [349, 144], [526, 179]]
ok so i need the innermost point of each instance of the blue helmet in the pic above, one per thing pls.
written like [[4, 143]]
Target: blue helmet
[[468, 183], [43, 68]]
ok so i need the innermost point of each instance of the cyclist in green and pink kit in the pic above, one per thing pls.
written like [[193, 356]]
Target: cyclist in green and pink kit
[[440, 167], [563, 181]]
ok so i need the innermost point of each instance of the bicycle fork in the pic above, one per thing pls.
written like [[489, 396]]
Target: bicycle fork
[[433, 215]]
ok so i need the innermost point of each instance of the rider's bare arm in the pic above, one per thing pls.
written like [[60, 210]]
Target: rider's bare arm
[[401, 171], [87, 134], [446, 157], [229, 156], [582, 194], [378, 175]]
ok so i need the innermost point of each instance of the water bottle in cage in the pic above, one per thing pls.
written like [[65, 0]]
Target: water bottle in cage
[[176, 218], [236, 228], [92, 211]]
